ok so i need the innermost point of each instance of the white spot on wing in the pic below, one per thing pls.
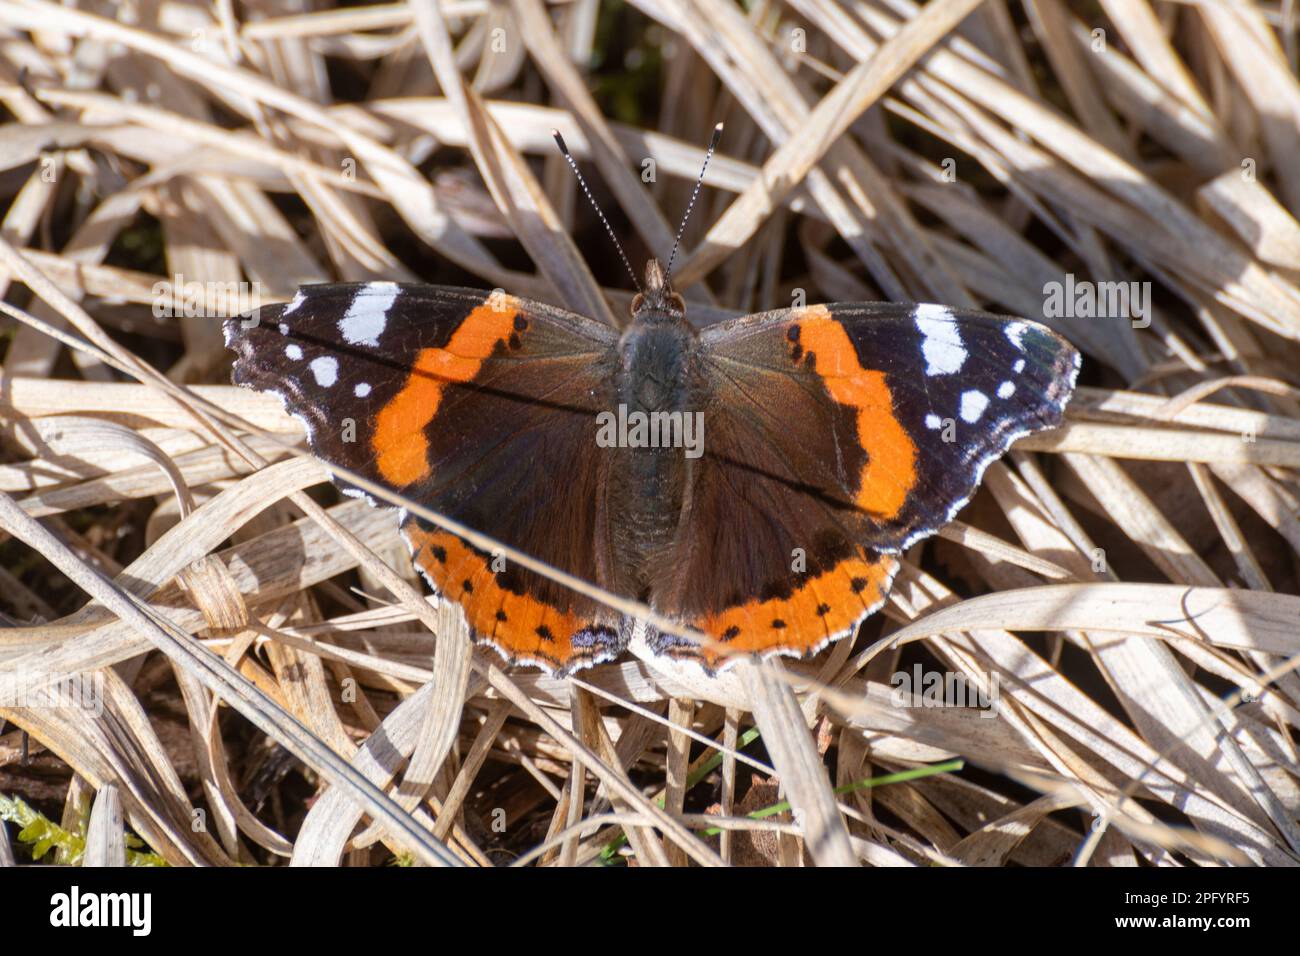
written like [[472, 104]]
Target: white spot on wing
[[367, 314], [326, 370], [298, 299], [1015, 332], [361, 390], [973, 403], [1004, 440], [941, 342], [284, 329], [933, 421], [1006, 389], [293, 351], [1019, 366]]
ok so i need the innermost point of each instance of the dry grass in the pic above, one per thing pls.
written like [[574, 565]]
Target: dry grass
[[1126, 584]]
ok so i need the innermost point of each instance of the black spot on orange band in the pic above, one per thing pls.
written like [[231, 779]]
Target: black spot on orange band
[[823, 606], [523, 628]]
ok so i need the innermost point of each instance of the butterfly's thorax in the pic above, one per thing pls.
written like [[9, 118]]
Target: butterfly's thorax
[[657, 385]]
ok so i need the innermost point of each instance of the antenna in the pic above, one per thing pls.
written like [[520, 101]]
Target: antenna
[[713, 144], [559, 141]]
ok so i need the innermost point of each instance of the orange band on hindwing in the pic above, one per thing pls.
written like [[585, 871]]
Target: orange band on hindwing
[[824, 607], [523, 628]]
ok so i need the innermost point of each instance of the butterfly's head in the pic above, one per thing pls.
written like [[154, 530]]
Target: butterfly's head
[[658, 297]]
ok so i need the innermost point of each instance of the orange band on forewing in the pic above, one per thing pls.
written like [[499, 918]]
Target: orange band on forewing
[[398, 439], [890, 471], [401, 448]]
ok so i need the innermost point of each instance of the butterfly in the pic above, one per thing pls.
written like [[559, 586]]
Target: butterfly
[[754, 480]]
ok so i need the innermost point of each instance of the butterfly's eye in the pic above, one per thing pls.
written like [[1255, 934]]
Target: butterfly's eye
[[677, 302], [637, 301]]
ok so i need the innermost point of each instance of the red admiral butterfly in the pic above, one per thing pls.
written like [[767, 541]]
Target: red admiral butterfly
[[806, 447]]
